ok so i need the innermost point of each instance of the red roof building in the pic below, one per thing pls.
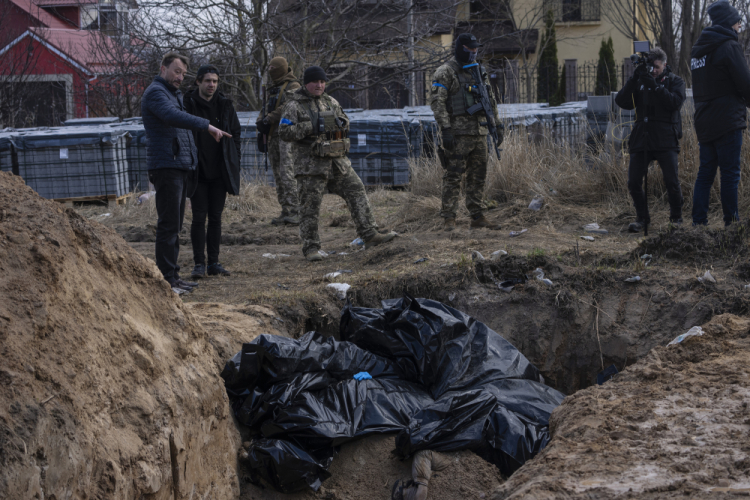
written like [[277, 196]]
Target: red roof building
[[53, 53]]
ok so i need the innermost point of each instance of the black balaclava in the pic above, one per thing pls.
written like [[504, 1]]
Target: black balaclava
[[462, 55]]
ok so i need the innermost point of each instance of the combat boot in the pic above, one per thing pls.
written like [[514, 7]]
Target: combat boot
[[449, 224], [278, 221], [313, 256], [482, 222], [378, 238], [291, 220]]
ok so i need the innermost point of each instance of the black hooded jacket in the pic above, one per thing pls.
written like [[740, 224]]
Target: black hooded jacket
[[721, 83], [231, 148], [658, 123]]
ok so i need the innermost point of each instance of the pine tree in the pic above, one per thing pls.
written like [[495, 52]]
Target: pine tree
[[606, 70], [559, 96], [547, 80]]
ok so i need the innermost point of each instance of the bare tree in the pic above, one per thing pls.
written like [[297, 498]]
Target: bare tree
[[675, 25], [118, 70], [124, 62], [362, 44], [511, 29], [23, 95]]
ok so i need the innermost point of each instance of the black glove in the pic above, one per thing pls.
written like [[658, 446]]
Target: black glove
[[263, 126], [640, 70], [648, 80], [449, 142]]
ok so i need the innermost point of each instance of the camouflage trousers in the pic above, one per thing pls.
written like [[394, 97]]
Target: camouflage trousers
[[282, 163], [470, 157], [344, 182]]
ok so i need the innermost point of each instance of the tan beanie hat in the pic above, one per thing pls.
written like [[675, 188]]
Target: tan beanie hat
[[280, 68]]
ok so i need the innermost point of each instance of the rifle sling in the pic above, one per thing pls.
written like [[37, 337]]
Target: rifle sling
[[276, 106]]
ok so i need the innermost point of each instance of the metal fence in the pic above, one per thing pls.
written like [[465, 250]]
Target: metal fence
[[518, 84]]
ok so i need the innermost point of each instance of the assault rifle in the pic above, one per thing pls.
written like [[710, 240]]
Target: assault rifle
[[484, 104]]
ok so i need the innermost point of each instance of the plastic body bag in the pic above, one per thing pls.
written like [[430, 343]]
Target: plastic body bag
[[442, 380]]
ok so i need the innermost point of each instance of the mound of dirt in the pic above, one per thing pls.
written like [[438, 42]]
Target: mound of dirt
[[673, 425], [231, 325], [698, 244], [108, 386]]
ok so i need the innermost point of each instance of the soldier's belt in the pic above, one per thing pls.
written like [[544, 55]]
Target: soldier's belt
[[330, 149]]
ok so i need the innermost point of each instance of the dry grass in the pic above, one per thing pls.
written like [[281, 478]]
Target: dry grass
[[593, 185], [571, 178]]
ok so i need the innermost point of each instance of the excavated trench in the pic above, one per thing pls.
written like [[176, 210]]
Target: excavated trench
[[590, 318]]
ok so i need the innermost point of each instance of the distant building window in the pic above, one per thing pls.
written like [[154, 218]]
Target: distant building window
[[108, 19], [568, 11], [90, 17]]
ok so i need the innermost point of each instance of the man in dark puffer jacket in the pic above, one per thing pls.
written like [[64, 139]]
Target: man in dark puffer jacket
[[171, 155], [721, 90]]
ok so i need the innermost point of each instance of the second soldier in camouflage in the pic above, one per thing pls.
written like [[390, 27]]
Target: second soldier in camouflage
[[453, 99], [282, 163], [316, 126]]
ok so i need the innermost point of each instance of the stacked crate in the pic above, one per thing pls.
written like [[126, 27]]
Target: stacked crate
[[77, 162], [382, 141], [136, 154], [91, 122], [7, 152], [253, 162]]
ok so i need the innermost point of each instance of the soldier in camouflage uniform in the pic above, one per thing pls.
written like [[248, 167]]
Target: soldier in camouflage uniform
[[282, 164], [318, 128], [464, 135]]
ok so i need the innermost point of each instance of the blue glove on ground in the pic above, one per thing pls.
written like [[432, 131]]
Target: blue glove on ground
[[363, 376]]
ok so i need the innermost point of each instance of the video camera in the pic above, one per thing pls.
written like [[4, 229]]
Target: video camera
[[640, 58]]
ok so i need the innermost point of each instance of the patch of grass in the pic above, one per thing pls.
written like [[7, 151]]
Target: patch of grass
[[464, 261], [278, 297], [535, 252]]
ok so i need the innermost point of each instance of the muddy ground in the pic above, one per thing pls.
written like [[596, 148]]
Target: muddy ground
[[588, 316], [588, 319]]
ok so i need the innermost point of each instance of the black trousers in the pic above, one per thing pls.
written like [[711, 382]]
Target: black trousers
[[171, 193], [639, 162], [209, 199]]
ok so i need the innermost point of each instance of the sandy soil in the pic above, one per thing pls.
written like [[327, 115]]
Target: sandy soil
[[108, 386], [674, 425], [589, 318]]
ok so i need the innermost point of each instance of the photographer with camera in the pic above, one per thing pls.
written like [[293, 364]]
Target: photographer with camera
[[657, 95], [721, 90]]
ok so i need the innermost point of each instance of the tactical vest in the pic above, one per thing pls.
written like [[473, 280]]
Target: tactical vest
[[708, 83], [463, 102], [330, 137]]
